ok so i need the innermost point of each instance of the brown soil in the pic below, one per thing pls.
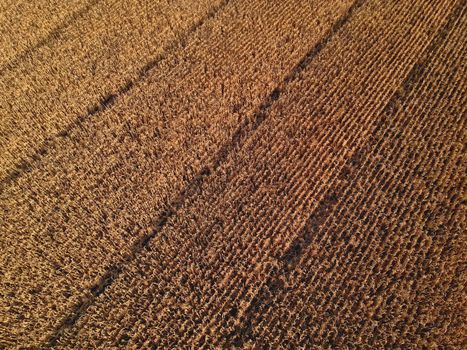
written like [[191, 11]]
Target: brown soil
[[232, 174]]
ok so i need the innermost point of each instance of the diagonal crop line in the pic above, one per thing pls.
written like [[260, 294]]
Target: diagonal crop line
[[194, 187], [292, 255], [53, 35], [26, 166]]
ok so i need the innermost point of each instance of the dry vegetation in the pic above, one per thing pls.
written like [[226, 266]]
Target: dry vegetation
[[82, 70], [27, 25], [234, 175]]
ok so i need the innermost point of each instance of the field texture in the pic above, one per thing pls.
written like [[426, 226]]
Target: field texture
[[233, 174]]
